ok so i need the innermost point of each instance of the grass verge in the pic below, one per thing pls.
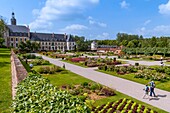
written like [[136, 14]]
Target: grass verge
[[5, 80]]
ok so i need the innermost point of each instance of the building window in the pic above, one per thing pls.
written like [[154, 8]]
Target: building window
[[46, 43], [11, 39], [16, 44], [25, 39], [73, 44], [12, 44], [20, 39], [16, 39], [42, 43]]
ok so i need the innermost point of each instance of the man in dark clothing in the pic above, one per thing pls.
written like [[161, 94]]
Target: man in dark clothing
[[152, 86]]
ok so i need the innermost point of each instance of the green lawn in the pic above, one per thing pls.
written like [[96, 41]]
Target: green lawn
[[5, 80], [167, 63], [160, 85], [64, 78]]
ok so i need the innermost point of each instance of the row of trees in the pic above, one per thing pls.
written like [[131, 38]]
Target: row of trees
[[2, 30], [28, 46], [147, 51], [128, 41]]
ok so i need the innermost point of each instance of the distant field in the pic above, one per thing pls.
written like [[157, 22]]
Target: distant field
[[5, 80]]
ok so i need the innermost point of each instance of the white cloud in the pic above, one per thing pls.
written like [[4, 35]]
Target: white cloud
[[103, 36], [124, 4], [60, 10], [160, 30], [96, 23], [74, 27], [36, 12], [164, 29], [147, 22], [165, 8]]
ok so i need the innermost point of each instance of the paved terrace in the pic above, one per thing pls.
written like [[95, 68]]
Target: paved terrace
[[127, 87]]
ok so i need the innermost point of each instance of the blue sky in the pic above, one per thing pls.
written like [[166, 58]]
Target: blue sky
[[94, 19]]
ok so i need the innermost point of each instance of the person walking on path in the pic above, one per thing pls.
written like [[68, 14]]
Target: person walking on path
[[64, 66], [152, 87], [146, 89]]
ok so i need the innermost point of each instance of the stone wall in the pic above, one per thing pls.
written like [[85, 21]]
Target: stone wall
[[18, 72]]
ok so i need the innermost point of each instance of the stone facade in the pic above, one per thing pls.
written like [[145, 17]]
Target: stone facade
[[48, 41]]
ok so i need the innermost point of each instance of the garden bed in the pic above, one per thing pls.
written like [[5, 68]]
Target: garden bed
[[141, 74]]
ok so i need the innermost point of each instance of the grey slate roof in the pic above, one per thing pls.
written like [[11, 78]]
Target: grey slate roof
[[18, 28], [47, 37], [106, 46], [69, 38]]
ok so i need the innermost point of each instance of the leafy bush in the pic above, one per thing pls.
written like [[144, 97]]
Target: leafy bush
[[107, 92], [36, 95], [39, 57], [40, 62], [49, 69], [85, 84], [167, 71], [95, 86], [136, 64], [77, 59], [29, 56]]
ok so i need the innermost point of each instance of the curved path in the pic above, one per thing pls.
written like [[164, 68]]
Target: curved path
[[127, 87]]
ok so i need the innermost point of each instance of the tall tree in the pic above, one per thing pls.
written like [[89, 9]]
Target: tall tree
[[2, 40]]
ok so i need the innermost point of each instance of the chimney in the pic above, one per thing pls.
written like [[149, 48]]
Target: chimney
[[28, 31], [53, 35], [65, 35]]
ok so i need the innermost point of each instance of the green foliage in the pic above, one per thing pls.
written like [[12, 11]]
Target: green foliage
[[39, 62], [25, 47], [2, 40], [49, 69], [28, 56], [5, 80], [36, 94], [81, 43], [122, 106], [2, 27]]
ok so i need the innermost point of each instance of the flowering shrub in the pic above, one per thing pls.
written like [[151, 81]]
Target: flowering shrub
[[40, 62], [49, 69], [77, 59], [151, 74]]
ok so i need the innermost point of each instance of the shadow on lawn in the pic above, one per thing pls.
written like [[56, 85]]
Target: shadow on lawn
[[2, 64], [4, 55]]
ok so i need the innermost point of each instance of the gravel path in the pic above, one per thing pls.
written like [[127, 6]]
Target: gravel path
[[127, 87]]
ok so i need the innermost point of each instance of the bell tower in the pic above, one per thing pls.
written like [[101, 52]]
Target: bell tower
[[13, 20]]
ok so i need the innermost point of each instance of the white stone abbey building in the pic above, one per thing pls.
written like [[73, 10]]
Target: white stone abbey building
[[48, 41]]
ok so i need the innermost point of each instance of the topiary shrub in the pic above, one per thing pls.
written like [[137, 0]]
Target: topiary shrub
[[136, 64], [85, 84]]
